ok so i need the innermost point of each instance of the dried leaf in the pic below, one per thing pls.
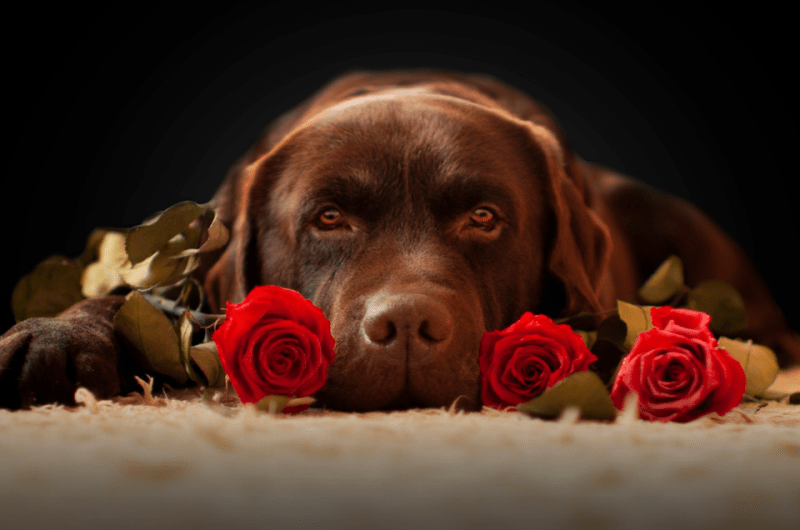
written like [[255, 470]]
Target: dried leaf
[[759, 363], [216, 236], [184, 329], [165, 250], [182, 244], [52, 287], [206, 357], [91, 250], [722, 302], [152, 336], [582, 390], [103, 276], [664, 283], [158, 269], [636, 318], [145, 240]]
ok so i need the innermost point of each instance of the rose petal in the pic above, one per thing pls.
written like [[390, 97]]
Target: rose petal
[[729, 394], [691, 371], [534, 377], [685, 322], [266, 341]]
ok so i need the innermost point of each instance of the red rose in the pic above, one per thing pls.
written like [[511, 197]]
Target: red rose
[[528, 357], [684, 322], [275, 342], [677, 370]]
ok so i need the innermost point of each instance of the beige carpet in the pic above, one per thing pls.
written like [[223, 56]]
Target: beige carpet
[[176, 462]]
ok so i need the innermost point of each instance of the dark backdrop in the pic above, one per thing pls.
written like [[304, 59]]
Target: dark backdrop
[[115, 115]]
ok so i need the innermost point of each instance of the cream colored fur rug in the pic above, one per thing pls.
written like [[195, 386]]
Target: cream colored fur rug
[[174, 462]]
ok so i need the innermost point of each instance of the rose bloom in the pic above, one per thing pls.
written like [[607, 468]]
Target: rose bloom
[[528, 357], [677, 371], [275, 342]]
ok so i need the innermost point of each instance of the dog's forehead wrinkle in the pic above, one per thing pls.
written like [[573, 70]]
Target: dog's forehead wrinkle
[[400, 147]]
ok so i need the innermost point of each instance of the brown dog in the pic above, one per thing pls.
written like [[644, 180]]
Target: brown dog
[[417, 210]]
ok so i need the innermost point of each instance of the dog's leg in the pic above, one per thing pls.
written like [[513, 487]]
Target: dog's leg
[[44, 360]]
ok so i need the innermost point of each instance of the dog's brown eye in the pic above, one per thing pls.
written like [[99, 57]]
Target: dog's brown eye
[[330, 217], [482, 217]]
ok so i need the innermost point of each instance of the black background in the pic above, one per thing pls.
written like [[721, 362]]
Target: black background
[[115, 115]]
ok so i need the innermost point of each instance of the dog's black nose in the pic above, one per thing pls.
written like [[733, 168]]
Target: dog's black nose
[[410, 327]]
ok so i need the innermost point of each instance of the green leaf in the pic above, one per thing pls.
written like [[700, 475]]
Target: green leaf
[[722, 302], [759, 363], [589, 337], [582, 321], [103, 275], [665, 283], [614, 330], [609, 348], [52, 287], [609, 356], [145, 240], [770, 395], [273, 404], [152, 335], [637, 319], [206, 357], [582, 390]]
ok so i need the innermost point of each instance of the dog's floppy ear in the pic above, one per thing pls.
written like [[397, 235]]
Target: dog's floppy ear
[[246, 203], [223, 281], [581, 245]]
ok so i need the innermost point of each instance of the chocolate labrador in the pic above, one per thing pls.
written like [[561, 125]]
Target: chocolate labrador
[[418, 210]]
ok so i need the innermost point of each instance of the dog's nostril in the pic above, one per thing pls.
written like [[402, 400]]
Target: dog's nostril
[[379, 329], [410, 321], [428, 334], [379, 323]]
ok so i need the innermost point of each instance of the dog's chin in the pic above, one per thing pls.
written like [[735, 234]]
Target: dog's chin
[[404, 400], [407, 400]]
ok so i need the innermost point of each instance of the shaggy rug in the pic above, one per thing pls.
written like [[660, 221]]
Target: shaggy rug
[[178, 461]]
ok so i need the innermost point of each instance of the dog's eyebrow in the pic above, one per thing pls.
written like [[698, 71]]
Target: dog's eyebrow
[[454, 196], [445, 197], [351, 192]]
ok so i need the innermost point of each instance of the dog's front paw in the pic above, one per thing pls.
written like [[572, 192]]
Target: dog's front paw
[[45, 360]]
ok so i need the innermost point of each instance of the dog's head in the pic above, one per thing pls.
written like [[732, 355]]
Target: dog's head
[[416, 220]]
